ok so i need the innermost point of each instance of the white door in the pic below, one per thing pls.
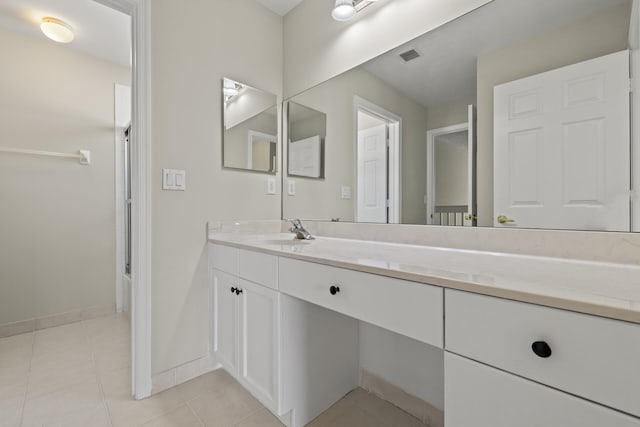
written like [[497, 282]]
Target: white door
[[260, 342], [562, 147], [477, 395], [470, 217], [372, 175], [225, 320]]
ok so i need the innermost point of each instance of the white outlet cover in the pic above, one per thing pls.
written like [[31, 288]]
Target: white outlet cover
[[345, 192], [291, 188], [271, 186]]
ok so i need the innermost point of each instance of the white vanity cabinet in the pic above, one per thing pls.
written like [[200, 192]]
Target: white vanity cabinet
[[522, 364], [411, 309], [478, 395], [245, 324], [225, 326]]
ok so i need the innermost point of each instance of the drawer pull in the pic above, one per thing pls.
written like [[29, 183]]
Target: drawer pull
[[233, 290], [238, 291], [541, 349], [334, 289]]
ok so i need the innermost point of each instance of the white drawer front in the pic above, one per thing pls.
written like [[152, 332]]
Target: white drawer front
[[481, 396], [408, 308], [258, 268], [223, 258], [593, 357]]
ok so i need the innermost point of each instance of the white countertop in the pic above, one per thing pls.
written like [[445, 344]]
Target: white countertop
[[598, 288]]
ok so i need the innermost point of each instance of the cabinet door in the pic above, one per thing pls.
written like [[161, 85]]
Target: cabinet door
[[225, 320], [259, 344], [478, 395]]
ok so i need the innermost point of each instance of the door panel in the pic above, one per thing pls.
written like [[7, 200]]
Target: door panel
[[372, 175], [260, 342], [225, 321], [470, 216], [526, 174], [562, 147]]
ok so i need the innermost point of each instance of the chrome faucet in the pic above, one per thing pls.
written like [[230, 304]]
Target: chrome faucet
[[299, 230]]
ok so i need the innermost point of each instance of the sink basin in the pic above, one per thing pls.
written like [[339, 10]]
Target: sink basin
[[287, 241]]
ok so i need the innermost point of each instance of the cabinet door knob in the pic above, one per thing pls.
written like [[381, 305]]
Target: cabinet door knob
[[233, 290], [238, 291], [541, 349], [334, 289]]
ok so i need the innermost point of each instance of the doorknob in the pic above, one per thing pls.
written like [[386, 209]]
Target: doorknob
[[503, 219]]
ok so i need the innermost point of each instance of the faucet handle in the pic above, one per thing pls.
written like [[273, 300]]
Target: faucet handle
[[296, 224]]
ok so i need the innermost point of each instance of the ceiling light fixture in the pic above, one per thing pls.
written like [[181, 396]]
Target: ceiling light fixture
[[343, 10], [56, 30], [230, 89]]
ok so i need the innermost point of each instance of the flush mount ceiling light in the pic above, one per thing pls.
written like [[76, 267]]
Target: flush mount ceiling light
[[343, 10], [56, 30], [347, 9], [230, 89]]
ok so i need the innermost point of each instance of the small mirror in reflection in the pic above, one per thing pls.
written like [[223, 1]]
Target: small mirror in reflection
[[250, 139], [307, 132]]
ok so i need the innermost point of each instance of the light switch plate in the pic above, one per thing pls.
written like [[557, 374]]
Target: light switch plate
[[271, 186], [174, 179], [291, 187], [345, 193]]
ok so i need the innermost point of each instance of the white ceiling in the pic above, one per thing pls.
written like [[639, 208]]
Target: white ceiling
[[99, 30], [281, 7], [446, 70]]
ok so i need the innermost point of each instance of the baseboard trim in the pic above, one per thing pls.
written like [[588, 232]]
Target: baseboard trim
[[35, 324], [421, 409], [180, 374]]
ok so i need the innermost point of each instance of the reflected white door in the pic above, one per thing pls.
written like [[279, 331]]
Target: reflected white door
[[562, 147], [470, 217], [372, 175]]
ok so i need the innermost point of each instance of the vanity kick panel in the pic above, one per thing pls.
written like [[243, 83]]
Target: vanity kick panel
[[408, 308], [589, 356]]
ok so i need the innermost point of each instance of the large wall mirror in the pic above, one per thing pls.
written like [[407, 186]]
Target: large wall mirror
[[250, 133], [515, 115]]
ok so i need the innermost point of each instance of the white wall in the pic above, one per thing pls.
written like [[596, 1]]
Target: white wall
[[415, 367], [451, 114], [587, 38], [57, 218], [317, 47], [193, 47], [634, 43], [452, 170]]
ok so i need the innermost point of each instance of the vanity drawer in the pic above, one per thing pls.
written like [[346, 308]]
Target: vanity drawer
[[223, 258], [408, 308], [478, 395], [258, 268], [592, 357]]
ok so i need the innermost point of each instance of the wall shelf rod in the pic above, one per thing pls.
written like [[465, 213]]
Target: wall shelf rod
[[83, 156]]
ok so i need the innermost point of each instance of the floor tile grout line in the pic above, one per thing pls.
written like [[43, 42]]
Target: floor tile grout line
[[99, 381], [193, 411], [26, 387], [255, 411]]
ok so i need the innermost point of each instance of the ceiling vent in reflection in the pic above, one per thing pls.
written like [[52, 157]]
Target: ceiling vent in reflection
[[409, 55]]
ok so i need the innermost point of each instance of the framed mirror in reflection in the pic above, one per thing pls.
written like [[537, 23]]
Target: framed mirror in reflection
[[250, 132], [515, 115], [306, 132]]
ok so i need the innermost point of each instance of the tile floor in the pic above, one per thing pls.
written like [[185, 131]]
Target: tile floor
[[78, 375]]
